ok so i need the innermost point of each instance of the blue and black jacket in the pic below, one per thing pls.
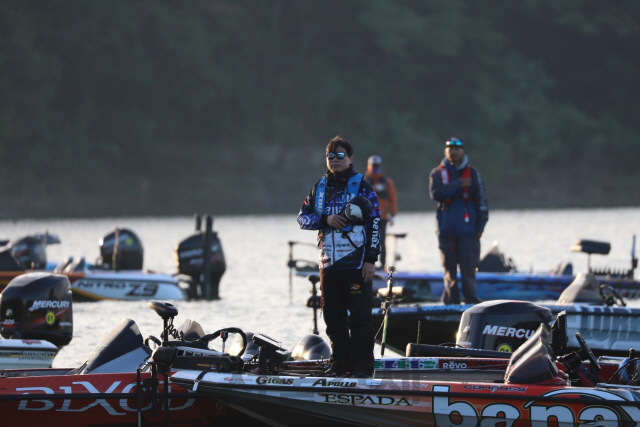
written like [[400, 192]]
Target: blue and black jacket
[[459, 214], [348, 248]]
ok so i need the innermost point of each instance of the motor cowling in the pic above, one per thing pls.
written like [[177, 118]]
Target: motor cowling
[[37, 306], [189, 255], [31, 251], [8, 262], [500, 325], [129, 253]]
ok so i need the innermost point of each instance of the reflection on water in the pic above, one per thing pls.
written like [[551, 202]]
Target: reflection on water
[[255, 287]]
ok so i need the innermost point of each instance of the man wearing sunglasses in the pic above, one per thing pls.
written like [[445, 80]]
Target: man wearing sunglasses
[[461, 216], [344, 209]]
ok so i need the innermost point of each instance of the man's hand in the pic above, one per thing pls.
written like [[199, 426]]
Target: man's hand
[[336, 221], [368, 271], [479, 234]]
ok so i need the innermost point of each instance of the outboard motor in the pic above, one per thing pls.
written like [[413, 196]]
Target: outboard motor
[[500, 325], [8, 262], [37, 306], [190, 260], [31, 252], [125, 253]]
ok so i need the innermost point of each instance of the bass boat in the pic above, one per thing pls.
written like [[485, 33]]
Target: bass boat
[[594, 310], [124, 382], [534, 386], [497, 275]]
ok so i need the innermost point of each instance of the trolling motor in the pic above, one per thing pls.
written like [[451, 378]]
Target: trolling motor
[[161, 360], [314, 301]]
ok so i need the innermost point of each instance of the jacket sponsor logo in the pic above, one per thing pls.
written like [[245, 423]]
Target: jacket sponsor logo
[[334, 383], [274, 380], [505, 331], [46, 304], [363, 399], [375, 235]]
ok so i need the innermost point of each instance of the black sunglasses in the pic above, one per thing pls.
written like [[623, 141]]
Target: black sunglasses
[[340, 155]]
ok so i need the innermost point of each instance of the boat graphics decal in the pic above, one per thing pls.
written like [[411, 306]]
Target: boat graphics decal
[[362, 399], [464, 404], [139, 289], [494, 388], [410, 363], [112, 406], [327, 382], [540, 411], [274, 380], [19, 354]]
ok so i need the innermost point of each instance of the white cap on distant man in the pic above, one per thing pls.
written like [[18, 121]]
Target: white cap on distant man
[[374, 160]]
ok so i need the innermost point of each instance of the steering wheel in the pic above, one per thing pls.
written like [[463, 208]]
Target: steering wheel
[[610, 296], [156, 341], [587, 351], [210, 337]]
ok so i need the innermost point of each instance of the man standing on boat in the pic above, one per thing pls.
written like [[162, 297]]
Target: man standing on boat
[[387, 197], [462, 214], [344, 209]]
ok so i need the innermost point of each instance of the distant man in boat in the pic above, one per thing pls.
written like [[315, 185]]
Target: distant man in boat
[[385, 189], [343, 207], [463, 212]]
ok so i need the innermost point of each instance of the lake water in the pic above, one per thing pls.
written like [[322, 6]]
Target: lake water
[[255, 290]]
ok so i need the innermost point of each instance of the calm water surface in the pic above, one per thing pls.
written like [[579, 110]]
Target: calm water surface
[[255, 289]]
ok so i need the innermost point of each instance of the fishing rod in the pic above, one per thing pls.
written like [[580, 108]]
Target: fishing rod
[[634, 260], [386, 306]]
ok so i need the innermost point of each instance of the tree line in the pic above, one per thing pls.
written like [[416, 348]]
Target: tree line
[[158, 107]]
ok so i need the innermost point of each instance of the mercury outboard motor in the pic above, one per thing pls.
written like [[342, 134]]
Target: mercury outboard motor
[[37, 306], [190, 260], [500, 325], [125, 253]]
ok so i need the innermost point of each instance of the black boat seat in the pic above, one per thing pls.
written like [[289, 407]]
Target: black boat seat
[[591, 247]]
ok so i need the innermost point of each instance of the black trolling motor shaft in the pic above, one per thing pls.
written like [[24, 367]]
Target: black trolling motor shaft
[[386, 306]]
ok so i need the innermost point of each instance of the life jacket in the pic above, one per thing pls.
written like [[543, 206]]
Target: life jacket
[[380, 187], [466, 191], [351, 191]]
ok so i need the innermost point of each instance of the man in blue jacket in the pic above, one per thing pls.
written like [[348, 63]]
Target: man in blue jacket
[[462, 214], [344, 209]]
